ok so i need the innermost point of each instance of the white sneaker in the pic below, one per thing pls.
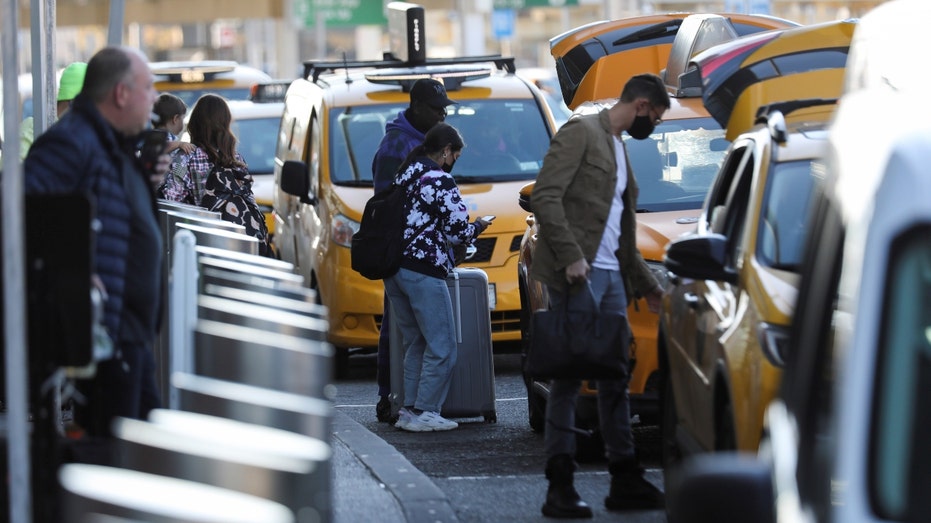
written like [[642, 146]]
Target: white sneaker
[[404, 418], [429, 422]]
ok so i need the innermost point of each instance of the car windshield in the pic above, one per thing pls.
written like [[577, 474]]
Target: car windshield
[[677, 163], [505, 140], [256, 141], [785, 214], [190, 96]]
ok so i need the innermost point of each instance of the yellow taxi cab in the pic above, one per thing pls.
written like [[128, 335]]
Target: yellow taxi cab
[[846, 438], [674, 167], [334, 119], [190, 79], [724, 321]]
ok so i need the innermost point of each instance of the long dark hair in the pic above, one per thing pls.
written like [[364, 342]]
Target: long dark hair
[[209, 127], [438, 137]]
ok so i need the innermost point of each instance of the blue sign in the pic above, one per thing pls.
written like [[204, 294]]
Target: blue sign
[[502, 23], [757, 7]]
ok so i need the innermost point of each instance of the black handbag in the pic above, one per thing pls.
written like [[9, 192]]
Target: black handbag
[[578, 341]]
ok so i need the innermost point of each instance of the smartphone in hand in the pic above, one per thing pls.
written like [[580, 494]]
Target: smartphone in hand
[[154, 142], [488, 218]]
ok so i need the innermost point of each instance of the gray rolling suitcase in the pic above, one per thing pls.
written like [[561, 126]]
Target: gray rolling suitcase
[[472, 387]]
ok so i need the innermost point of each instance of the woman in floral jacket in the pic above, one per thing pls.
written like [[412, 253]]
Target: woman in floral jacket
[[437, 221]]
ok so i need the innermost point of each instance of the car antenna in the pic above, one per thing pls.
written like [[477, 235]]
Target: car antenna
[[346, 68]]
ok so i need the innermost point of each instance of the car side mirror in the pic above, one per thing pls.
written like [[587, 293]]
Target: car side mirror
[[700, 257], [295, 180], [523, 198], [725, 486]]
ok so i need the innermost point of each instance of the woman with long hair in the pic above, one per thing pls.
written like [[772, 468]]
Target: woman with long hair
[[215, 145], [214, 175], [436, 222]]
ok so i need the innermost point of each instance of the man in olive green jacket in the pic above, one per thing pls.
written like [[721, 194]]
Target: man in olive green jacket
[[584, 201]]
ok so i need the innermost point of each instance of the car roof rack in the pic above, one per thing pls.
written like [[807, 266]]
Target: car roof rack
[[313, 69]]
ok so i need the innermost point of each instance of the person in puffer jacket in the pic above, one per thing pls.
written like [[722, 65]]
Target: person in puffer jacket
[[92, 148], [436, 221]]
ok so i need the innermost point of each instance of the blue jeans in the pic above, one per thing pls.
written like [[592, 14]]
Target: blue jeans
[[613, 402], [423, 310]]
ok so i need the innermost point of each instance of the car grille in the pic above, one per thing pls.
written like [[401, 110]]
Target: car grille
[[505, 321], [515, 243], [485, 247]]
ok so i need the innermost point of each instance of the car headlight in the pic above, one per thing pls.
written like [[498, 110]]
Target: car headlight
[[660, 272], [342, 229], [774, 339]]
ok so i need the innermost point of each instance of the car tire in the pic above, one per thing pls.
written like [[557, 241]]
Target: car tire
[[725, 438], [671, 452], [536, 408], [591, 448], [341, 363]]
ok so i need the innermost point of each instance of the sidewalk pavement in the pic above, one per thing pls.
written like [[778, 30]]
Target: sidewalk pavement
[[372, 481]]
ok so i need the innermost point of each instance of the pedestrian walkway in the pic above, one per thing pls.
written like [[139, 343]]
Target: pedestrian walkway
[[372, 481]]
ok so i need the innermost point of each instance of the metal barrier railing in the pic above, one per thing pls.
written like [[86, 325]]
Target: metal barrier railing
[[245, 364]]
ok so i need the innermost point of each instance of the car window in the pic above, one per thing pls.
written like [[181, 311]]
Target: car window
[[505, 140], [717, 198], [675, 166], [190, 96], [900, 455], [785, 212], [735, 209], [256, 141]]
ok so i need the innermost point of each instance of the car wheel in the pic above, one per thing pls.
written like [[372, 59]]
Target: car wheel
[[341, 363], [671, 452], [536, 408], [536, 402], [590, 448], [724, 436]]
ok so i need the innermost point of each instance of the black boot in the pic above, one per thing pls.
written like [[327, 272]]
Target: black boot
[[383, 411], [629, 489], [562, 501]]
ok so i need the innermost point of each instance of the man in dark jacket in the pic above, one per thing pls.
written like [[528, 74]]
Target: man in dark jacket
[[427, 108], [92, 149]]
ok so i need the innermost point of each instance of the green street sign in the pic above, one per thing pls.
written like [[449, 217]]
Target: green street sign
[[341, 13]]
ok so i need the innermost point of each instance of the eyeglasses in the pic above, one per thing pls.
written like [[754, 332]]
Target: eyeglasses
[[657, 120]]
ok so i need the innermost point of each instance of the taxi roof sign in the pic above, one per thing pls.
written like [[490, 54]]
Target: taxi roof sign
[[407, 40]]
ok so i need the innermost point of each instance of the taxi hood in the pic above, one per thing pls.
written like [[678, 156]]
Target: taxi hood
[[740, 76], [595, 60]]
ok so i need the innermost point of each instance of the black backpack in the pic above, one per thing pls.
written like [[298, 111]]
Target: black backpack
[[228, 190], [378, 246]]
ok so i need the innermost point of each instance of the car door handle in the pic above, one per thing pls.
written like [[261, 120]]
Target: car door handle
[[691, 300]]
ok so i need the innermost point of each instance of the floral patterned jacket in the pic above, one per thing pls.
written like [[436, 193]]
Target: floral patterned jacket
[[437, 218]]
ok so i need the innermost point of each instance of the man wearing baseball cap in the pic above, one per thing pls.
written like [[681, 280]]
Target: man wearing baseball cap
[[69, 85], [427, 108]]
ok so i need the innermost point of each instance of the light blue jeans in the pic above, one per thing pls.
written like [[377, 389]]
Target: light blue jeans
[[422, 308], [613, 402]]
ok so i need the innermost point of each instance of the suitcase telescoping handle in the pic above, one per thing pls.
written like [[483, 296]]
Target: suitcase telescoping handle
[[457, 307]]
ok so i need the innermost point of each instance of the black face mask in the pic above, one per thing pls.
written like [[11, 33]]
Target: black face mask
[[642, 127], [449, 168]]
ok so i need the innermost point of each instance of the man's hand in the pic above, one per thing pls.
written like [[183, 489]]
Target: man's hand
[[577, 271], [654, 299]]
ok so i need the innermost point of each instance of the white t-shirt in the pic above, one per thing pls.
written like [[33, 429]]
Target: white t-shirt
[[605, 257]]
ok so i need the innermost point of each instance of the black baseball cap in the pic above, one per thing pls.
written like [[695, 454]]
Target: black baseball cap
[[431, 92]]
